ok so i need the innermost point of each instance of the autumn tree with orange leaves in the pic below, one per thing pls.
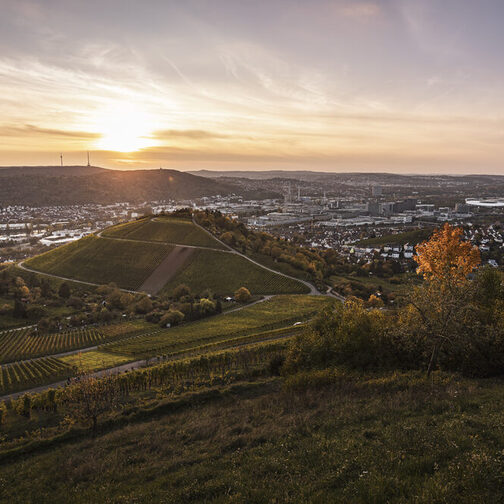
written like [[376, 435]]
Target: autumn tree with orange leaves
[[442, 305], [445, 257]]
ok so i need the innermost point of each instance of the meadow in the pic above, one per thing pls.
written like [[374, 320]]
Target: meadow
[[101, 261], [164, 229], [224, 273]]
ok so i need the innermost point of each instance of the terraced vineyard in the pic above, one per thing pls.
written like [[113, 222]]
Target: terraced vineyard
[[101, 261], [22, 344], [225, 273], [27, 374], [164, 229], [278, 312]]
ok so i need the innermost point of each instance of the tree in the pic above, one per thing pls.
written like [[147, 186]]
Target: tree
[[172, 318], [144, 305], [90, 398], [181, 291], [206, 306], [445, 257], [242, 295], [64, 291], [374, 302], [442, 303], [19, 309]]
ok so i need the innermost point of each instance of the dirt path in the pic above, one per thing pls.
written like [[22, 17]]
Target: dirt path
[[167, 269]]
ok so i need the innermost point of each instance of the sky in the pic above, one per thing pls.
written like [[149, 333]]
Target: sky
[[409, 86]]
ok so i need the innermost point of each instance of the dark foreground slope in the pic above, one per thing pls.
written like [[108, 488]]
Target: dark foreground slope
[[373, 439]]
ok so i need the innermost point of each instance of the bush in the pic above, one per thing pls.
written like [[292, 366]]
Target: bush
[[242, 295], [172, 317], [349, 335]]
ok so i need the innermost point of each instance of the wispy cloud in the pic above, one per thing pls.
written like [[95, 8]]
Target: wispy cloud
[[31, 130]]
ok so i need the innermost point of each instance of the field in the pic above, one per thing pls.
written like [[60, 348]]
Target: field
[[93, 360], [164, 229], [22, 344], [280, 311], [224, 273], [101, 261], [23, 375], [122, 342]]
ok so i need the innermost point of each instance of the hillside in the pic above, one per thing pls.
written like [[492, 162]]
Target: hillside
[[364, 439], [158, 254], [73, 185]]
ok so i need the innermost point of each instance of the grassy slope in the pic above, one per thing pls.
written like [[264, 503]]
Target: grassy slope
[[102, 261], [277, 312], [164, 229], [396, 439], [225, 273]]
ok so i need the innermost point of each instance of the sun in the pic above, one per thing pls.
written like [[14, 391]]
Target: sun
[[124, 127]]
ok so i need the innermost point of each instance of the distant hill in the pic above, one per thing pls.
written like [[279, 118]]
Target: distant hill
[[67, 185], [352, 177]]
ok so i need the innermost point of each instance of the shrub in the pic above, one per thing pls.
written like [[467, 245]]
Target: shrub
[[349, 335], [242, 295], [172, 317]]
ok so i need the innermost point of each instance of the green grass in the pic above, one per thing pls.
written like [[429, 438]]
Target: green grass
[[394, 439], [412, 237], [280, 311], [101, 261], [224, 273], [94, 360], [164, 229]]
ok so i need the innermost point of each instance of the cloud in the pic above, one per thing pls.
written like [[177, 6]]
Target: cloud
[[29, 129], [189, 134], [360, 9]]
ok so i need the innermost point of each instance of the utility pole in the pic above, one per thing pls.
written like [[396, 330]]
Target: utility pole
[[88, 159], [61, 159]]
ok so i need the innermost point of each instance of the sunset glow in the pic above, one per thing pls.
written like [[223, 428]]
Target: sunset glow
[[124, 128], [334, 85]]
